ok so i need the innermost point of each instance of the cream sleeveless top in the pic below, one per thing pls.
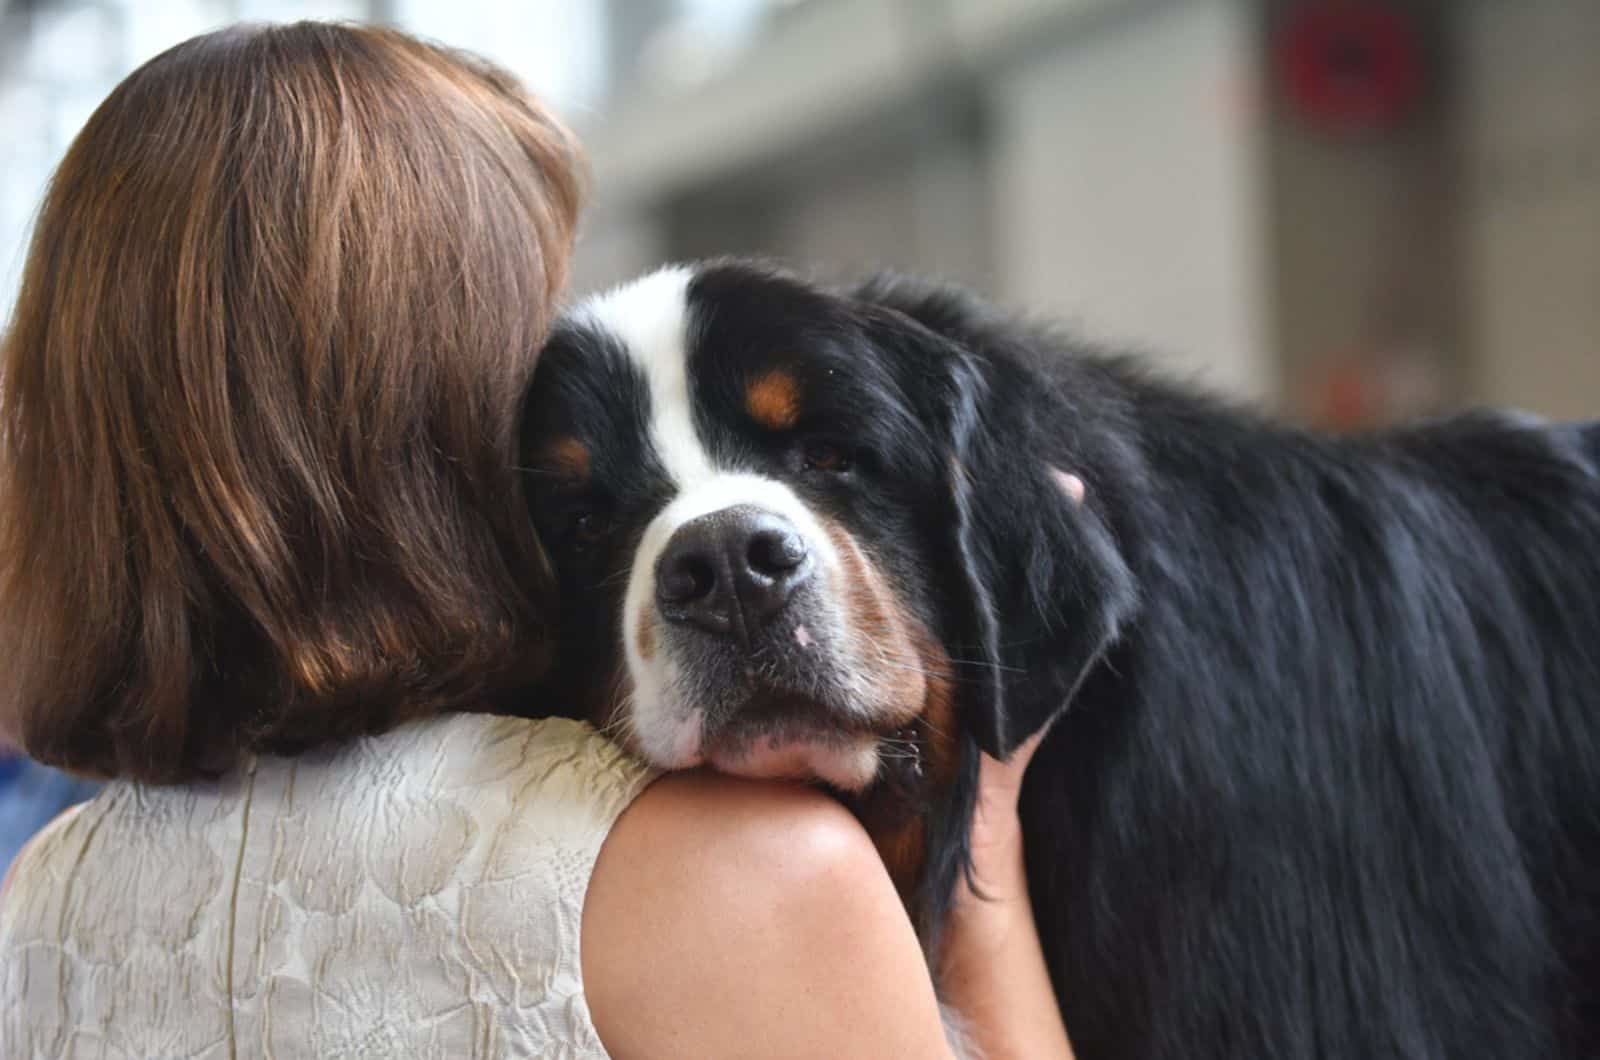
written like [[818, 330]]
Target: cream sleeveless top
[[416, 894]]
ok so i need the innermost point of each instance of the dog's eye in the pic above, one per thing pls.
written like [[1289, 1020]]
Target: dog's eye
[[586, 528], [822, 455]]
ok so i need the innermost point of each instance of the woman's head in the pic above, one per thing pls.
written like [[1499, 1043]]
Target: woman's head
[[258, 402]]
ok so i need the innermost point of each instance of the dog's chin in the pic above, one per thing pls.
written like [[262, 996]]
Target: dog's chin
[[781, 734], [846, 762], [777, 733]]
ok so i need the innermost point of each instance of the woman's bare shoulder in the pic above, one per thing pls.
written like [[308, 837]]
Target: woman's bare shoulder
[[731, 918]]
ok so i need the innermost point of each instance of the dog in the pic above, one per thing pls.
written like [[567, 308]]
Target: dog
[[1323, 776]]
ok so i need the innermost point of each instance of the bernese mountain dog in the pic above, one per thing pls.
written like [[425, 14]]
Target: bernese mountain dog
[[1325, 780]]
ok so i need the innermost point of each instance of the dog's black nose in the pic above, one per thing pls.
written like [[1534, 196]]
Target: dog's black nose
[[731, 571]]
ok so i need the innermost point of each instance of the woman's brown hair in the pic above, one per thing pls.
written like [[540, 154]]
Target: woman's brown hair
[[258, 402]]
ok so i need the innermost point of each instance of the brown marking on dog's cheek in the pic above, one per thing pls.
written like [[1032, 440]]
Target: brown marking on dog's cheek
[[773, 400], [921, 691], [880, 619], [903, 846], [897, 820], [568, 456]]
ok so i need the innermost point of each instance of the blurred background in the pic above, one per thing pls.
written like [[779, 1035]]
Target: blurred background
[[1350, 211]]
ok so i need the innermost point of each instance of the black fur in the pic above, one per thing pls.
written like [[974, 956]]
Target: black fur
[[1336, 790], [1325, 780]]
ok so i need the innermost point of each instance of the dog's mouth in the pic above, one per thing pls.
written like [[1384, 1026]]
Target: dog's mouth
[[796, 739]]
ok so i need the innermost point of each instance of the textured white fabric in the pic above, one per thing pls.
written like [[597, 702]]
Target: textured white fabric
[[417, 894]]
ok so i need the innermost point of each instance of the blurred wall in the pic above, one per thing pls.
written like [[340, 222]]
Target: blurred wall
[[1129, 190], [1530, 134], [1131, 167], [1135, 169], [1096, 161], [1365, 248]]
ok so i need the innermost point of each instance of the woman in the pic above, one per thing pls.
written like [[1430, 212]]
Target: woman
[[264, 559]]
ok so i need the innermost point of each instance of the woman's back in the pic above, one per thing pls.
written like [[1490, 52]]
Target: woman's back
[[418, 893]]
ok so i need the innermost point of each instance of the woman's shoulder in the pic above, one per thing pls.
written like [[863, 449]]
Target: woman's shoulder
[[466, 800], [725, 916], [48, 836], [466, 756], [452, 803]]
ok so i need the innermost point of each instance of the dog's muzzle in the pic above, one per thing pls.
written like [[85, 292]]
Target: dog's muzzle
[[743, 642]]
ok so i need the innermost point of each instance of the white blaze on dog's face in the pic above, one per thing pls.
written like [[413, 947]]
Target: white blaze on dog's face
[[723, 482]]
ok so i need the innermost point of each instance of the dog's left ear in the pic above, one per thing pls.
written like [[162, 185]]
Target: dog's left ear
[[1047, 588], [1032, 575]]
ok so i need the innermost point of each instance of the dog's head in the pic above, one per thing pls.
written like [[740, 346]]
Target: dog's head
[[806, 534]]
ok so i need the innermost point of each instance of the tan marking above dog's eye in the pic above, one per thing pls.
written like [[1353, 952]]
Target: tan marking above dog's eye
[[773, 400], [569, 457]]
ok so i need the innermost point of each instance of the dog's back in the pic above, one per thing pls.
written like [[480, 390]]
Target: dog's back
[[1336, 792]]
